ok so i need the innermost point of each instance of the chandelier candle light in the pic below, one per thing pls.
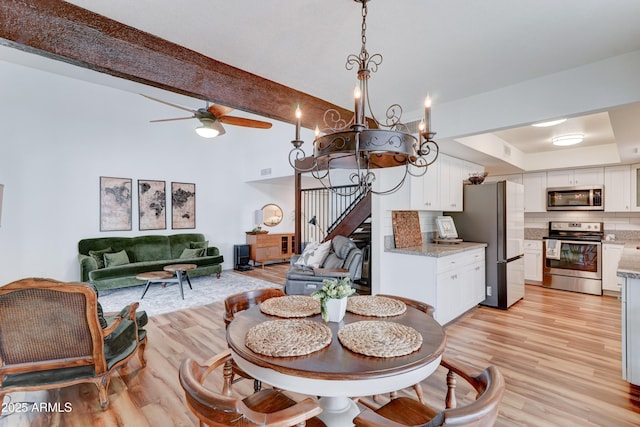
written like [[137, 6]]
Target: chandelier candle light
[[365, 143]]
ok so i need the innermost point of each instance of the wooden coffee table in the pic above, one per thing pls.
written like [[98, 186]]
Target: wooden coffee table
[[155, 277], [182, 272]]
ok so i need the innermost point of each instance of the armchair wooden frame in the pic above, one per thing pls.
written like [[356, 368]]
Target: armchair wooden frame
[[232, 305], [482, 412], [37, 312], [266, 408]]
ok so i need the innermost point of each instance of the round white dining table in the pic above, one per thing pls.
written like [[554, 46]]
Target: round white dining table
[[334, 373]]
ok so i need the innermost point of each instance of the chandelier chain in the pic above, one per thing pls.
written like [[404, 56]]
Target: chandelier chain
[[363, 34]]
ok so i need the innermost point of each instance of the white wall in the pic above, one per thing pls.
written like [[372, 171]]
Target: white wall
[[59, 135]]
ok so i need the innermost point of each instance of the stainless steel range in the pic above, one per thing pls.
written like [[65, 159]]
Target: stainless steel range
[[572, 256]]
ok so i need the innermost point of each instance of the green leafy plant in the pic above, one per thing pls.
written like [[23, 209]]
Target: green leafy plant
[[332, 289]]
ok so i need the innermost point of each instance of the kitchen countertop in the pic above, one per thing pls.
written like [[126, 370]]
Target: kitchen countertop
[[629, 265], [437, 250]]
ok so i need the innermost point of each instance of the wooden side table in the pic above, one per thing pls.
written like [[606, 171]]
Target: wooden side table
[[182, 272], [155, 277]]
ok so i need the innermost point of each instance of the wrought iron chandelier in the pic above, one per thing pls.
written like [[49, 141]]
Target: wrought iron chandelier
[[364, 143]]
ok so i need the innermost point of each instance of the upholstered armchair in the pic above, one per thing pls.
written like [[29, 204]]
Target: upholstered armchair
[[343, 259], [53, 334]]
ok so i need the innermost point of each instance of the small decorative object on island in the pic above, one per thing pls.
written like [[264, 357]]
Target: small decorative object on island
[[333, 298]]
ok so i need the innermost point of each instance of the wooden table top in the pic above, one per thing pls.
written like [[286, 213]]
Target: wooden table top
[[154, 275], [335, 362], [180, 267]]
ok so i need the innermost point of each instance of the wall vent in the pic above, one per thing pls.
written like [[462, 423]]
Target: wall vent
[[266, 171]]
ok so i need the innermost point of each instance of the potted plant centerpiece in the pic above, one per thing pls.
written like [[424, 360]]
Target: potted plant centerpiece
[[333, 298]]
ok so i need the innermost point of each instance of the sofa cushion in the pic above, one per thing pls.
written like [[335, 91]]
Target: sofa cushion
[[192, 253], [116, 258], [199, 245], [314, 254], [98, 256], [342, 245], [332, 261]]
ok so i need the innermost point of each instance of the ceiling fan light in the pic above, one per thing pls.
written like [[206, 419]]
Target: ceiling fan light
[[565, 140], [207, 132], [549, 123]]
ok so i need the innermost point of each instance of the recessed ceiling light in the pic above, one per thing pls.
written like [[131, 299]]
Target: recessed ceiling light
[[550, 123], [565, 140]]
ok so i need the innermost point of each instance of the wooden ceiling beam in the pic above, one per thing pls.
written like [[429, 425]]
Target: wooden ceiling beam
[[65, 32]]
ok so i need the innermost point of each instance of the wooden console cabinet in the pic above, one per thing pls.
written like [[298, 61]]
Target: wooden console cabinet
[[270, 247]]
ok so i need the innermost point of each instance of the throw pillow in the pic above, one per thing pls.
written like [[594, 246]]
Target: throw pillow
[[98, 256], [314, 254], [199, 245], [116, 258], [192, 253]]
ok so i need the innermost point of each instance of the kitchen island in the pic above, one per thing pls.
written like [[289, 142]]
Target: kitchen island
[[450, 277], [629, 272]]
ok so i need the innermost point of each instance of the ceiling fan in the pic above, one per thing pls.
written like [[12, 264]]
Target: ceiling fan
[[211, 118]]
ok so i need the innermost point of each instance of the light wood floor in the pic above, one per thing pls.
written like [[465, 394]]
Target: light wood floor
[[559, 352]]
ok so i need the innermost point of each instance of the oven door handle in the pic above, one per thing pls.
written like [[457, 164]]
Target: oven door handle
[[579, 242]]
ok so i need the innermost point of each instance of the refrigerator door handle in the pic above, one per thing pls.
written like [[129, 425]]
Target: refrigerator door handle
[[502, 261]]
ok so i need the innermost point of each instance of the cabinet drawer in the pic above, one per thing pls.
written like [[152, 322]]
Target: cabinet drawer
[[452, 262], [533, 244]]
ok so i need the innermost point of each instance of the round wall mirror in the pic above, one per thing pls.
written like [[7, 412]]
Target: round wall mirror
[[271, 214]]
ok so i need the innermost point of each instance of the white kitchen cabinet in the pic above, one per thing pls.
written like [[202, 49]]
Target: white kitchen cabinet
[[425, 190], [533, 260], [535, 192], [631, 330], [460, 284], [441, 188], [452, 175], [617, 189], [515, 177], [611, 254], [635, 188], [452, 284], [573, 177]]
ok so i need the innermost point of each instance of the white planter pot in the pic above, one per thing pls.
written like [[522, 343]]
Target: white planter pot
[[336, 308]]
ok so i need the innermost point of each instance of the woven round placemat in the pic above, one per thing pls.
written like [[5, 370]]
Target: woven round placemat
[[371, 305], [290, 337], [291, 306], [380, 338]]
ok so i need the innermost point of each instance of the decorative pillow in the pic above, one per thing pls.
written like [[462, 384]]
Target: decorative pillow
[[116, 258], [192, 253], [98, 256], [199, 245], [314, 254]]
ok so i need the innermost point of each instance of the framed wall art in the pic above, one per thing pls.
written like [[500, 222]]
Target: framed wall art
[[152, 213], [183, 205], [115, 204]]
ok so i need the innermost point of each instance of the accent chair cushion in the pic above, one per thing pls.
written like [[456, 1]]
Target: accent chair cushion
[[99, 256], [192, 253], [314, 254], [116, 258]]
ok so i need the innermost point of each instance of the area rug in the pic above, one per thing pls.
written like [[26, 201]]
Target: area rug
[[159, 300]]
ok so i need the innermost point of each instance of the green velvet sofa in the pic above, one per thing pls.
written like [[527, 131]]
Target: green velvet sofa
[[145, 253]]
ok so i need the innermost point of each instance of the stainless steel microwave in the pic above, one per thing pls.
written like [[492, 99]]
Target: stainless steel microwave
[[583, 198]]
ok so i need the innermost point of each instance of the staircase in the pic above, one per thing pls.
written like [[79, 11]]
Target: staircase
[[339, 215]]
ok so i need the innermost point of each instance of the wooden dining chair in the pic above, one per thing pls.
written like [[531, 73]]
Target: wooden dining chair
[[482, 412], [428, 309], [232, 305], [266, 408]]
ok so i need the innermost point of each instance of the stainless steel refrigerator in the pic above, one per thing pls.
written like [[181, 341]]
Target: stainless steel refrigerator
[[494, 214]]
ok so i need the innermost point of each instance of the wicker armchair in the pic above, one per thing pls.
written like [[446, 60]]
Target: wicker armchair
[[53, 335]]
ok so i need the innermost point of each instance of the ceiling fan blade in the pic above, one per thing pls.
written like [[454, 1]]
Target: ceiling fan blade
[[168, 103], [219, 110], [241, 121], [170, 120]]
